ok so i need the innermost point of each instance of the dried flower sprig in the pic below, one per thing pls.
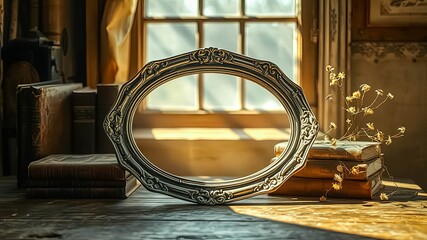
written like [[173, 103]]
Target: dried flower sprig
[[357, 108], [337, 184]]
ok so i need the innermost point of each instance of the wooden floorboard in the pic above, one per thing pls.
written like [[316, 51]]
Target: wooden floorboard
[[147, 215]]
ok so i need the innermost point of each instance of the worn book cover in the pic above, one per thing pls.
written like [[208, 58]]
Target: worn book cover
[[44, 126], [106, 95], [77, 183], [316, 187], [84, 121], [85, 192], [343, 150], [77, 167], [326, 168]]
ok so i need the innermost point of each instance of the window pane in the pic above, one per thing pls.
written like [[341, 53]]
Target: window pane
[[169, 39], [215, 32], [221, 8], [270, 8], [178, 94], [259, 98], [275, 42], [166, 40], [221, 92], [171, 8]]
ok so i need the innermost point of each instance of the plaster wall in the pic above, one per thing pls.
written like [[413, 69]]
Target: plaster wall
[[399, 68]]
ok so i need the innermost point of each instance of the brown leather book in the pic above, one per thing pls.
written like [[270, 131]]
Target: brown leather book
[[46, 123], [76, 183], [106, 95], [316, 187], [326, 168], [344, 150], [85, 192], [84, 121], [77, 167]]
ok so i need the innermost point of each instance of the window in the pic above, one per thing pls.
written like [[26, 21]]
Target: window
[[268, 30]]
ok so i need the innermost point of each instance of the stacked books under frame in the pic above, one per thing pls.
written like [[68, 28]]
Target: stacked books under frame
[[80, 176], [362, 167]]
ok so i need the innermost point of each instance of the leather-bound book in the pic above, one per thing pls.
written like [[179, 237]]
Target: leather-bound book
[[106, 95], [327, 168], [84, 121], [102, 192], [23, 125], [343, 150], [316, 187], [77, 167], [49, 122], [79, 176]]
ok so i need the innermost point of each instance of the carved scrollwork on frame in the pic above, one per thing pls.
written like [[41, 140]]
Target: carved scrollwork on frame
[[119, 120], [113, 124], [270, 183], [309, 126], [268, 68], [154, 183], [212, 197], [211, 55]]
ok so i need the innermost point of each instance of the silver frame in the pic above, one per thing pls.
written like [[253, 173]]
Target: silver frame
[[304, 126]]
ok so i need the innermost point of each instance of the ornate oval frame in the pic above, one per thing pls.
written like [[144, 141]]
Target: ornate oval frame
[[118, 126]]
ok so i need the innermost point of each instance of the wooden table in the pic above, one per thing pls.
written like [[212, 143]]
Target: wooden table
[[147, 215]]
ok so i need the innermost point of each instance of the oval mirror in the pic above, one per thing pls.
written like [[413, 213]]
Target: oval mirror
[[156, 177], [197, 133]]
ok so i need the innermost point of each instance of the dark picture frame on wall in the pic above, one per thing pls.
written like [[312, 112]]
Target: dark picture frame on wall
[[388, 21], [397, 13]]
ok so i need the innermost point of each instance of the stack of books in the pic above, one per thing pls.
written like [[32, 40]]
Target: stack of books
[[361, 169], [79, 176], [46, 113], [90, 107]]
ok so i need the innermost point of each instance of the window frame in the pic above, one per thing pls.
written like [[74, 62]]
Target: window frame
[[306, 73]]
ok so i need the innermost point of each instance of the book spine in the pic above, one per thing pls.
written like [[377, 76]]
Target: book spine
[[99, 192], [23, 135], [13, 29], [51, 21], [323, 153], [297, 186], [34, 14], [354, 151], [328, 173], [85, 192], [84, 119], [69, 183], [77, 172], [105, 98], [35, 124]]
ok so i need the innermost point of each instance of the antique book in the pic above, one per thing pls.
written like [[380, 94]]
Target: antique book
[[77, 167], [343, 150], [106, 95], [15, 73], [77, 183], [84, 119], [316, 187], [85, 192], [326, 168], [44, 122]]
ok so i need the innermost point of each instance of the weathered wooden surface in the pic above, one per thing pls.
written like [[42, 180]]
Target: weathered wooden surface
[[147, 215]]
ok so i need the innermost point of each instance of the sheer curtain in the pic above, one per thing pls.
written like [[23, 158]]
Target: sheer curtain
[[115, 39], [334, 37]]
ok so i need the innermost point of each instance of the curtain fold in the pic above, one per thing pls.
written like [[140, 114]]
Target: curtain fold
[[334, 39], [115, 39]]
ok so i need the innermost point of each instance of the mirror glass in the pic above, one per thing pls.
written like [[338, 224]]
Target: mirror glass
[[211, 125]]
